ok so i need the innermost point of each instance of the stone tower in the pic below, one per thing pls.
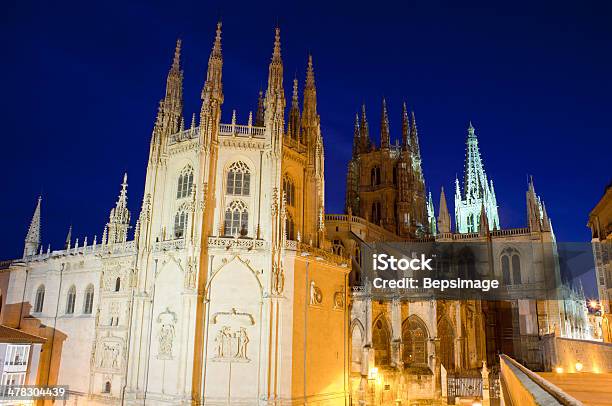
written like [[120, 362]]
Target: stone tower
[[386, 185], [477, 193]]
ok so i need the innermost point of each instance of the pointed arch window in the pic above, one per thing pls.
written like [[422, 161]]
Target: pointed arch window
[[185, 182], [414, 338], [117, 284], [375, 176], [40, 299], [89, 297], [381, 340], [236, 219], [107, 387], [289, 189], [70, 300], [470, 223], [290, 227], [180, 223], [511, 267], [238, 179], [376, 213]]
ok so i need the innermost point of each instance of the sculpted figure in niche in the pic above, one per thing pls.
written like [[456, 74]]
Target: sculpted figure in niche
[[243, 340], [166, 339], [316, 297], [223, 342]]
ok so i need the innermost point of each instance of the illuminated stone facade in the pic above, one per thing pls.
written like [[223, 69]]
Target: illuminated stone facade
[[403, 350], [228, 293], [600, 222]]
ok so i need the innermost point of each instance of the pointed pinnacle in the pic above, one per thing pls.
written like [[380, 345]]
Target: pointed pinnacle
[[310, 81], [295, 92], [217, 45], [176, 62], [277, 44]]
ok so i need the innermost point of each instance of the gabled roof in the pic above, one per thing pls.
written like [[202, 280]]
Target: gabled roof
[[14, 336]]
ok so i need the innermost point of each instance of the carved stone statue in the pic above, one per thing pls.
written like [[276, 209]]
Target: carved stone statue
[[243, 340], [166, 339], [316, 297]]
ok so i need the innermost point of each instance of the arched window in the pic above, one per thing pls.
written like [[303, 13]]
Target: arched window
[[40, 299], [290, 227], [447, 344], [117, 284], [338, 247], [70, 299], [376, 213], [511, 276], [180, 223], [89, 297], [516, 269], [470, 223], [381, 341], [107, 387], [375, 176], [289, 189], [238, 179], [414, 338], [505, 261], [185, 182], [236, 219]]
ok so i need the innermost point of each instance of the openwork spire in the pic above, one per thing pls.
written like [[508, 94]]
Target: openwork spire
[[176, 62], [365, 131], [259, 116], [405, 128], [275, 71], [213, 89], [477, 191], [294, 114], [32, 240], [356, 136], [310, 96], [216, 51], [444, 221], [414, 138], [385, 137], [119, 219]]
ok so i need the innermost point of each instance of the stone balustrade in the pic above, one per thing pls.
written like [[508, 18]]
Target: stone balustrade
[[526, 388]]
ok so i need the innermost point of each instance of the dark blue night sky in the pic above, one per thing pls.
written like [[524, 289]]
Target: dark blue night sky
[[81, 84]]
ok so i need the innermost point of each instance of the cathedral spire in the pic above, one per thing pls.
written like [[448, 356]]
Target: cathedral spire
[[356, 136], [259, 116], [275, 73], [309, 114], [405, 128], [431, 217], [213, 87], [293, 129], [444, 222], [414, 138], [68, 238], [385, 139], [477, 191], [119, 219], [32, 240], [365, 131]]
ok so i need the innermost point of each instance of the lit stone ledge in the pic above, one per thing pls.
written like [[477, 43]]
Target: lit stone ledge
[[318, 253], [236, 243], [170, 245]]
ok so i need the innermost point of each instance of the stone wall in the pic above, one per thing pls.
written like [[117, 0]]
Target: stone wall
[[566, 353]]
